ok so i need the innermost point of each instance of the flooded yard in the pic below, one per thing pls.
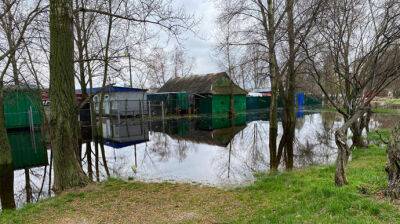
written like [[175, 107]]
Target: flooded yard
[[213, 151]]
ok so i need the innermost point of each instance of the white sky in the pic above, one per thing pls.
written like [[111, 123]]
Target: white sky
[[201, 45]]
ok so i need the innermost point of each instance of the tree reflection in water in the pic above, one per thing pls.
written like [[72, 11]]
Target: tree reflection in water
[[209, 151]]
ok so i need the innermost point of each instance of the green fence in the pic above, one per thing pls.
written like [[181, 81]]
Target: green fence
[[312, 101], [173, 102], [263, 102]]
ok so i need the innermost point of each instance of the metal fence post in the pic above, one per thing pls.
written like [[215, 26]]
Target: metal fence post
[[141, 108], [149, 109], [162, 110], [118, 114], [32, 127]]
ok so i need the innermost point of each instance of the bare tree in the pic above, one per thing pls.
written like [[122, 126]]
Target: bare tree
[[15, 20], [354, 49], [280, 28]]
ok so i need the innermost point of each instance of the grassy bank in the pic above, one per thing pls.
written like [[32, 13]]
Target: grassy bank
[[386, 111], [301, 196]]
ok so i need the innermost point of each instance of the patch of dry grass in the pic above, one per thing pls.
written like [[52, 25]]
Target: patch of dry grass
[[121, 202], [301, 196]]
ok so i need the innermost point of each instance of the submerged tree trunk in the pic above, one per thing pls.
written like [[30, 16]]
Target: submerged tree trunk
[[28, 187], [393, 164], [64, 120], [89, 159], [103, 156], [6, 167], [269, 26], [290, 106]]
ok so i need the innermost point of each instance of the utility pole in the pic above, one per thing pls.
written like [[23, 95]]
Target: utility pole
[[128, 54]]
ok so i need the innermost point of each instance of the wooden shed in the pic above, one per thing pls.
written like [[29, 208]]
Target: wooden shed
[[212, 94]]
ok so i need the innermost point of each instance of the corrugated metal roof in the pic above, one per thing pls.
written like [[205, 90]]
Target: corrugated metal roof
[[201, 84], [111, 89]]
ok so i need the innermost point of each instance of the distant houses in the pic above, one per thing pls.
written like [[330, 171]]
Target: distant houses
[[208, 94]]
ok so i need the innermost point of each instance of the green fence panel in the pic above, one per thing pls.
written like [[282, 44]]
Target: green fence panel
[[258, 103], [311, 101], [172, 101], [28, 150]]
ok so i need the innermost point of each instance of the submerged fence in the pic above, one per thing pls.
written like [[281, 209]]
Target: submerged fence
[[136, 108]]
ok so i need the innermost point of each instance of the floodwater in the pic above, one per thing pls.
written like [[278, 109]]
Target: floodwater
[[207, 150]]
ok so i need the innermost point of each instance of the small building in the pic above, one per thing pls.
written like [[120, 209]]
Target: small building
[[213, 93], [121, 101], [24, 118]]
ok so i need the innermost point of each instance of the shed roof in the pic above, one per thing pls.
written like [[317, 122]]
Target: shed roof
[[214, 83], [112, 89]]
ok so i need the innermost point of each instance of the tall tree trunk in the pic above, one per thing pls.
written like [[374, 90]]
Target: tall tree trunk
[[63, 118], [269, 26], [93, 121], [102, 93], [6, 167], [290, 106], [393, 164]]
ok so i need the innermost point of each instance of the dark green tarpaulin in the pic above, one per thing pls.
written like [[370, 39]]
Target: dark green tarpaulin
[[28, 150], [17, 106]]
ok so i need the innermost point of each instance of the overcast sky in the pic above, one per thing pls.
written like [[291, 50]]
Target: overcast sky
[[201, 46]]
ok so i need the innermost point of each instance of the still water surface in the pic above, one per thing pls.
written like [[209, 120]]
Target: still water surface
[[214, 151]]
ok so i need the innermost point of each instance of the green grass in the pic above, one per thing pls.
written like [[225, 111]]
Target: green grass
[[309, 196], [301, 196], [386, 111], [379, 137], [393, 101]]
